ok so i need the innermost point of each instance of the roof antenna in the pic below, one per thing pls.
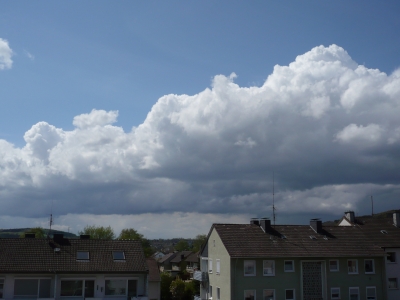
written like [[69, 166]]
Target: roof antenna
[[372, 203], [51, 219], [273, 197]]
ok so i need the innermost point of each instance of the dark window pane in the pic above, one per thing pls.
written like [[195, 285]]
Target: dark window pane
[[26, 287], [71, 287], [89, 289], [118, 255], [44, 288], [132, 284]]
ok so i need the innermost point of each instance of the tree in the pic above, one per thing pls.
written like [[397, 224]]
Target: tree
[[38, 231], [182, 245], [99, 232], [132, 234], [177, 288], [198, 242], [166, 280]]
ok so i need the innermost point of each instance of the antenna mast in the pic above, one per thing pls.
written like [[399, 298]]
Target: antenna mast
[[273, 197], [51, 219], [372, 203]]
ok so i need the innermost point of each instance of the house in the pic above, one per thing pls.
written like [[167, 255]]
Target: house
[[384, 231], [154, 280], [61, 268], [158, 255], [261, 261], [175, 262]]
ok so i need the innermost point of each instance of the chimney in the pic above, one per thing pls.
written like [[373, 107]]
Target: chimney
[[85, 236], [57, 237], [29, 235], [350, 216], [265, 224], [396, 218], [255, 221], [316, 225], [182, 257]]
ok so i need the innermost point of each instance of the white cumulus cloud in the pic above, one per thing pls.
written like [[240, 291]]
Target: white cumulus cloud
[[5, 55]]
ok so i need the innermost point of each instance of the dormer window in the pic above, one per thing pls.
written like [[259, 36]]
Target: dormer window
[[82, 255], [118, 255]]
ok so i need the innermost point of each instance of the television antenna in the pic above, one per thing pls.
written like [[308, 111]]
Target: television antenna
[[273, 198]]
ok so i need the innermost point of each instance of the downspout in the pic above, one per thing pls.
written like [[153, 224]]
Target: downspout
[[55, 285]]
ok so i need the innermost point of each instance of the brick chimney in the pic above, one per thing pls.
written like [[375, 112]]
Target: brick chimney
[[316, 225], [265, 224], [350, 216]]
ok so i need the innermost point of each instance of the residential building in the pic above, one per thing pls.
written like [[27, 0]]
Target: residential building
[[383, 230], [288, 262], [154, 280], [61, 269]]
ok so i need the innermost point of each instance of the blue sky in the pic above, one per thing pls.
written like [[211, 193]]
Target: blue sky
[[71, 57]]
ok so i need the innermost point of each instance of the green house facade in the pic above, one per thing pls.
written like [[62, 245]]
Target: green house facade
[[309, 262]]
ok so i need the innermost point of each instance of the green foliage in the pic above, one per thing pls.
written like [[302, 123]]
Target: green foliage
[[166, 280], [99, 232], [192, 288], [198, 242], [182, 245], [132, 234], [177, 288], [38, 231]]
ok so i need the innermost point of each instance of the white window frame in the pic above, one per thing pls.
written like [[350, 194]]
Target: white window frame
[[355, 288], [373, 266], [394, 279], [273, 290], [253, 291], [273, 268], [348, 270], [366, 292], [294, 294], [284, 266], [395, 257], [334, 290], [253, 262], [210, 265], [217, 266], [337, 265]]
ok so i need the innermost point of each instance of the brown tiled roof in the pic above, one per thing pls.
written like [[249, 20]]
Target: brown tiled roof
[[166, 257], [249, 240], [193, 257], [154, 272], [30, 255]]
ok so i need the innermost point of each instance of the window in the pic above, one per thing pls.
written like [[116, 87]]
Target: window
[[269, 295], [334, 265], [249, 295], [218, 293], [354, 294], [1, 287], [335, 293], [77, 288], [210, 265], [120, 287], [32, 288], [289, 266], [269, 268], [391, 257], [249, 268], [289, 295], [393, 283], [118, 255], [218, 266], [82, 255], [210, 292], [371, 293], [369, 266], [352, 266]]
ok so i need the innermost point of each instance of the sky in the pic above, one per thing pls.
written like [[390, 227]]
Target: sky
[[168, 117]]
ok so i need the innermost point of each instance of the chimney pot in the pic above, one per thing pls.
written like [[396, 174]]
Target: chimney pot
[[316, 225], [350, 216]]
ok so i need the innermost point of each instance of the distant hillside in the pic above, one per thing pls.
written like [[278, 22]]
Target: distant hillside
[[16, 232]]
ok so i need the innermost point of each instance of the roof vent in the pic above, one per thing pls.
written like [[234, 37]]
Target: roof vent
[[29, 235], [283, 237], [325, 238], [313, 237], [384, 232], [57, 250]]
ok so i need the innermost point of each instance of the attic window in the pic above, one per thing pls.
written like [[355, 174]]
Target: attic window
[[82, 255], [384, 232], [313, 237], [118, 255]]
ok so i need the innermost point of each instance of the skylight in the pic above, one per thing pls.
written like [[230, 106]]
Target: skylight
[[384, 232], [82, 255], [118, 255]]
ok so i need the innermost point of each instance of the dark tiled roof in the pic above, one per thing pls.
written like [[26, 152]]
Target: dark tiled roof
[[166, 257], [154, 272], [193, 257], [249, 240], [30, 255], [179, 255]]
